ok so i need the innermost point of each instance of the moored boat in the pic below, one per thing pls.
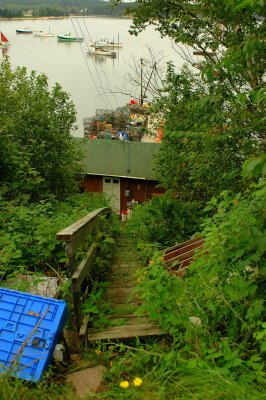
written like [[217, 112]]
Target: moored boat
[[25, 30], [106, 43], [4, 42], [43, 33], [100, 51], [67, 37]]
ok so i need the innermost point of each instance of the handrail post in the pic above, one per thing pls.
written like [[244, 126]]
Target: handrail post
[[74, 236]]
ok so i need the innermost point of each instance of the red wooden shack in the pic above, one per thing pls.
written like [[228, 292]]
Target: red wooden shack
[[122, 169]]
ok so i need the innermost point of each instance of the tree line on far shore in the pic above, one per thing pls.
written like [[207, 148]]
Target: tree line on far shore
[[51, 8]]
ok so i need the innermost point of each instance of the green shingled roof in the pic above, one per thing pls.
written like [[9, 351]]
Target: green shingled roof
[[119, 158]]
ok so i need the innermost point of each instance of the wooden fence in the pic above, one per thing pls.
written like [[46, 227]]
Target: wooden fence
[[74, 237]]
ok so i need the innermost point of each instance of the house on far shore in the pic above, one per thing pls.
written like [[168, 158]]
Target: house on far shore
[[121, 169]]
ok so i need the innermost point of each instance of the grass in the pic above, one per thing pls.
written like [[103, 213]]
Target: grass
[[49, 389], [178, 384], [166, 376], [196, 384]]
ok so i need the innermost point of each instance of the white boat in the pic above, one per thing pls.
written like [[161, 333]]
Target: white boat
[[106, 43], [4, 42], [101, 51], [67, 37], [43, 33]]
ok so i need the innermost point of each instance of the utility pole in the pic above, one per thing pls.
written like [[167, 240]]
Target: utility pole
[[143, 90], [153, 69], [141, 83]]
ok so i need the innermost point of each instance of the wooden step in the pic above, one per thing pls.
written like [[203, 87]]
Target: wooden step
[[144, 329], [119, 295], [130, 320]]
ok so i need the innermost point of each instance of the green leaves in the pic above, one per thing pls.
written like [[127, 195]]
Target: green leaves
[[37, 152], [255, 167], [27, 233], [224, 286], [164, 221]]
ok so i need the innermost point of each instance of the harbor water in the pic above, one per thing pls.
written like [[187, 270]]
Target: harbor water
[[94, 82]]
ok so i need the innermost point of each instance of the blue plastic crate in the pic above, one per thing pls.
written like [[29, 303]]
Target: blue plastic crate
[[30, 327]]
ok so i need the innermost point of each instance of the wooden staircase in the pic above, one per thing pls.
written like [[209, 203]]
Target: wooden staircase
[[124, 323]]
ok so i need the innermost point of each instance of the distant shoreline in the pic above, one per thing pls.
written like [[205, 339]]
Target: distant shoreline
[[66, 17]]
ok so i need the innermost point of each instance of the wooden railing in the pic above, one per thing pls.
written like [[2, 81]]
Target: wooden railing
[[178, 257], [74, 237]]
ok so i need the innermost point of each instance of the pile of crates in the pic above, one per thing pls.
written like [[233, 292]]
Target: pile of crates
[[106, 123]]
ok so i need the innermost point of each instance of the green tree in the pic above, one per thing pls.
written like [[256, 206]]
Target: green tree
[[205, 140], [214, 108], [230, 33], [37, 152]]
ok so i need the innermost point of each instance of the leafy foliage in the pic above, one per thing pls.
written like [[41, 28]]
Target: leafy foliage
[[214, 108], [28, 240], [207, 136], [224, 288], [163, 221], [38, 155], [229, 33]]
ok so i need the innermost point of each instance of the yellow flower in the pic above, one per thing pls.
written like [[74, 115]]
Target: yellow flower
[[137, 382], [98, 352], [124, 384], [235, 201], [151, 262], [139, 279]]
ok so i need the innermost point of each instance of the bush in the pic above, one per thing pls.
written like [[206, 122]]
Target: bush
[[28, 242], [224, 289], [165, 220]]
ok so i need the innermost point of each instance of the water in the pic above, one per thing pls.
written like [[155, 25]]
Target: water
[[93, 83]]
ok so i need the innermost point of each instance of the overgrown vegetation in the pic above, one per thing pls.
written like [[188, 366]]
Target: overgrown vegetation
[[214, 317], [224, 288], [212, 161], [28, 242], [38, 155], [163, 221], [214, 126]]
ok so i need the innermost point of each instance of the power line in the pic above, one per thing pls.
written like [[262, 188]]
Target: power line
[[107, 80], [94, 63], [105, 100], [93, 59]]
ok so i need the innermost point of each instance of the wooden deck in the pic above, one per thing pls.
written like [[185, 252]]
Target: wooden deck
[[124, 323]]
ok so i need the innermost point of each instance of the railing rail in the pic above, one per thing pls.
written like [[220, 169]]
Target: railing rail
[[177, 258], [74, 236]]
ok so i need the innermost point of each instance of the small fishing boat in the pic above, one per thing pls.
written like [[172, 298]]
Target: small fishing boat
[[43, 33], [25, 30], [106, 43], [100, 51], [4, 42], [67, 37]]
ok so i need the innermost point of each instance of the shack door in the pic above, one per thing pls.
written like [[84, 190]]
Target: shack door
[[111, 186]]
